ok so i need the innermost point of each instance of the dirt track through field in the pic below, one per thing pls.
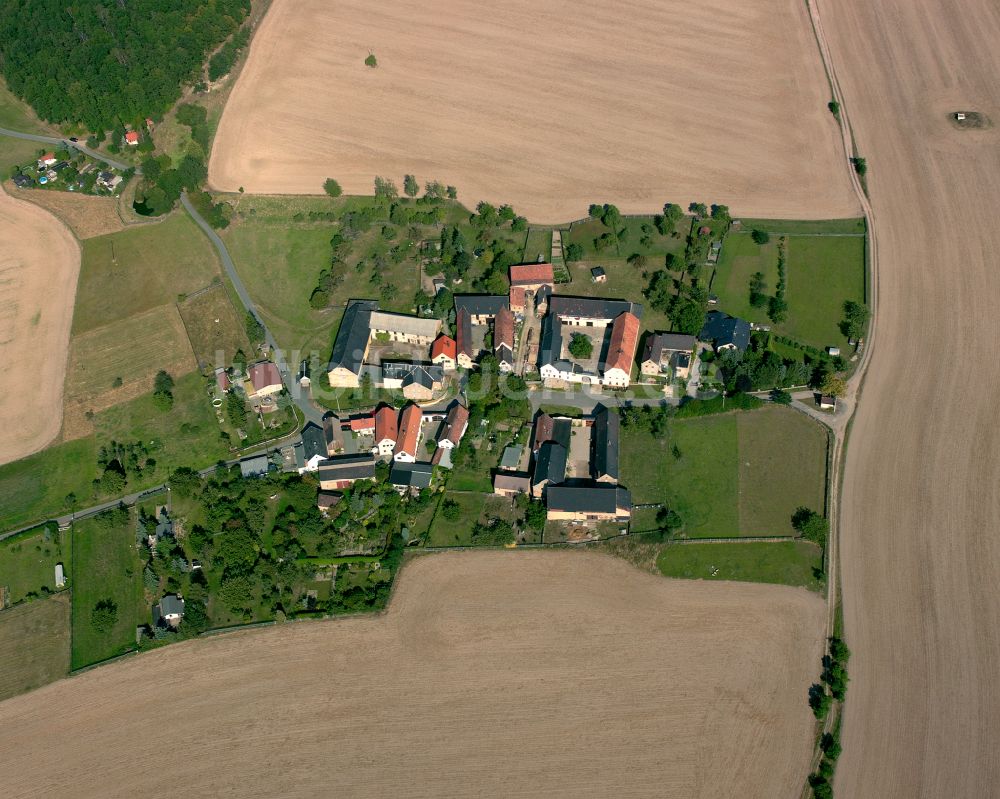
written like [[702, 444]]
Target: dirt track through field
[[493, 674], [550, 106], [39, 266], [919, 548]]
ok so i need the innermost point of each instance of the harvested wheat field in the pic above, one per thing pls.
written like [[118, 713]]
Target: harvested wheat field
[[919, 547], [514, 674], [86, 215], [549, 106], [39, 265]]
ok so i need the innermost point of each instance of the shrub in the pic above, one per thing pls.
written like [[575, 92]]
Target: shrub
[[574, 252], [834, 107], [104, 615], [581, 346], [332, 187], [371, 61], [760, 236]]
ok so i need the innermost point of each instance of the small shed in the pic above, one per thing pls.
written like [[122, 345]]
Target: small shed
[[826, 402], [833, 351], [598, 275], [60, 576]]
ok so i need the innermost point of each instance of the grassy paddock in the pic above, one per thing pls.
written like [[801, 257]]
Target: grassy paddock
[[106, 565], [213, 325], [28, 561], [138, 269], [34, 644], [806, 227], [782, 462], [784, 563]]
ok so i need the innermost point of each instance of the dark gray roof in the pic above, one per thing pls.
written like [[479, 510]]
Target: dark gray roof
[[22, 181], [658, 342], [592, 307], [597, 271], [347, 467], [313, 441], [724, 330], [588, 498], [463, 332], [254, 467], [605, 442], [352, 337], [425, 374], [482, 304], [551, 346], [505, 354], [164, 527], [171, 604], [550, 464], [414, 475]]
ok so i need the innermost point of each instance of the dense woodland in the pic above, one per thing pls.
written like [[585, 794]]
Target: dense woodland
[[103, 62]]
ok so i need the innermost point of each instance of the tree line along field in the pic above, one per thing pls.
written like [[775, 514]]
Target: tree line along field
[[731, 474]]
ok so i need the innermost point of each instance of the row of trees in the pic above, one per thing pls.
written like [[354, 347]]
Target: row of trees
[[96, 63]]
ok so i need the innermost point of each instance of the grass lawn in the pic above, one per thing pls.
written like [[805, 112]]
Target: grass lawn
[[446, 533], [782, 457], [798, 227], [34, 644], [732, 474], [27, 561], [823, 272], [538, 243], [214, 326], [106, 565], [740, 258], [785, 563], [141, 268], [35, 488], [624, 281], [16, 115]]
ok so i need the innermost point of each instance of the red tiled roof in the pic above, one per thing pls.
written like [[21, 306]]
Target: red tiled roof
[[264, 374], [48, 157], [386, 425], [517, 296], [131, 136], [409, 428], [503, 329], [359, 423], [531, 274], [455, 423], [444, 345], [624, 338]]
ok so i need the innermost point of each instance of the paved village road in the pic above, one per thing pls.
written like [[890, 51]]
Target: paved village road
[[62, 141]]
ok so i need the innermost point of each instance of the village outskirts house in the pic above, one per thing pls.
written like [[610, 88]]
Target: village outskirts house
[[668, 353], [410, 477], [725, 332], [263, 380], [466, 352], [132, 138], [410, 420], [169, 611], [386, 431], [533, 282], [454, 427], [342, 471], [314, 449], [387, 326], [351, 345], [444, 353], [416, 380], [482, 308], [621, 351], [503, 339], [510, 484], [588, 503]]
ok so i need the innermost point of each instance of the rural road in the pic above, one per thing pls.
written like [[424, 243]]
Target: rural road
[[919, 552], [62, 141], [288, 373]]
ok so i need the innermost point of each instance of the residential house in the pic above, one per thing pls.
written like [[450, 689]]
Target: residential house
[[333, 435], [264, 380], [256, 466], [604, 442], [403, 328], [621, 351], [826, 402], [668, 352], [222, 382], [342, 471], [362, 425], [550, 467], [386, 430], [132, 138], [326, 500], [510, 484], [551, 428], [314, 450], [169, 611], [503, 339], [109, 180], [588, 503], [417, 380], [410, 419], [164, 526], [454, 427], [351, 345], [444, 352], [511, 458], [22, 181], [530, 281], [46, 160], [598, 275], [482, 308], [60, 576], [590, 311], [463, 339], [410, 476], [725, 332]]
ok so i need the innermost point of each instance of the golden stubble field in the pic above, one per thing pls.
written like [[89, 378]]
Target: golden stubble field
[[920, 552], [39, 266], [550, 106], [513, 674]]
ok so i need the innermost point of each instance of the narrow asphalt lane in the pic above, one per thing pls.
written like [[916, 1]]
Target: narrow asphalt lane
[[288, 373], [62, 141]]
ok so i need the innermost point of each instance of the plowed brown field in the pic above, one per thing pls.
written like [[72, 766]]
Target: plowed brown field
[[550, 106], [920, 549], [39, 266], [492, 674]]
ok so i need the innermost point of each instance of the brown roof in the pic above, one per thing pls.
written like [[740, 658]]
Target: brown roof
[[409, 429], [327, 499], [264, 374], [503, 329], [624, 338], [543, 430], [443, 345], [531, 274], [386, 425], [517, 296], [463, 332], [454, 424]]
